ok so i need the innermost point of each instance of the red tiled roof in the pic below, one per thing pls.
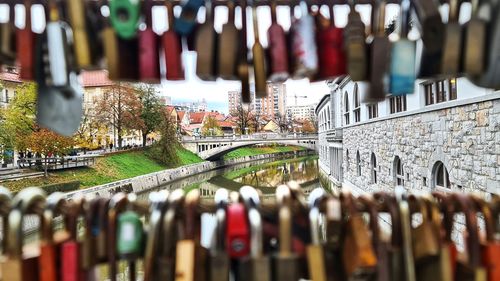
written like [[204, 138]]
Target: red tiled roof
[[95, 78], [169, 109], [197, 117], [181, 114], [10, 76], [225, 124]]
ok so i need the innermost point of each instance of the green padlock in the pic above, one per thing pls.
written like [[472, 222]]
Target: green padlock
[[130, 240], [124, 16]]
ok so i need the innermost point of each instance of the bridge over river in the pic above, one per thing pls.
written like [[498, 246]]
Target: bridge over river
[[212, 148]]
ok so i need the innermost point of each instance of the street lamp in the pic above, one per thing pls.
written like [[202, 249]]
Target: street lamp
[[246, 130]]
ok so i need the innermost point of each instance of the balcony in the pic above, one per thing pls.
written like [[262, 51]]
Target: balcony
[[334, 134]]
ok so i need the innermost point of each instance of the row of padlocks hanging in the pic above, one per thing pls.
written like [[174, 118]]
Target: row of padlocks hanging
[[321, 237], [78, 36]]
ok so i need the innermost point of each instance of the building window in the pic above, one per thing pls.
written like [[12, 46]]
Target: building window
[[399, 175], [441, 176], [372, 110], [397, 104], [347, 160], [437, 92], [6, 96], [346, 109], [328, 118], [357, 105], [373, 167], [358, 163]]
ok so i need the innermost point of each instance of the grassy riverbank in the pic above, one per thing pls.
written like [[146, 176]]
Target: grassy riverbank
[[109, 168], [257, 150]]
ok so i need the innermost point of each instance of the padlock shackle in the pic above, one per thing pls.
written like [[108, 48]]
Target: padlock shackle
[[315, 198], [250, 198], [447, 208], [404, 18], [388, 203], [169, 223], [272, 6], [374, 214], [230, 11], [284, 199], [158, 201], [482, 206], [28, 201], [192, 227], [148, 13], [56, 205], [221, 199], [454, 10], [5, 201], [170, 14]]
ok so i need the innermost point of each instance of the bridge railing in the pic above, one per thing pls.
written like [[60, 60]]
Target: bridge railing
[[258, 136]]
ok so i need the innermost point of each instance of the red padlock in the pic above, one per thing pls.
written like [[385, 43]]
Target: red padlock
[[149, 60], [237, 230], [278, 50], [332, 57], [71, 263], [25, 46], [172, 47]]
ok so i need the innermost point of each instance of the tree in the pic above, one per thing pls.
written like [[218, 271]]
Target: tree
[[244, 117], [211, 127], [150, 110], [90, 132], [17, 121], [283, 122], [308, 126], [46, 142], [120, 108], [165, 150]]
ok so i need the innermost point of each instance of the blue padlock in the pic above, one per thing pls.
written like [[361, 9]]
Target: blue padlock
[[186, 23]]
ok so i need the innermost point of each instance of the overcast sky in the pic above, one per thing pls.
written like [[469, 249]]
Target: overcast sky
[[215, 93]]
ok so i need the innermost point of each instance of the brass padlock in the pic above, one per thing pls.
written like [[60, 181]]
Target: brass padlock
[[243, 68], [21, 262], [450, 65], [315, 253], [259, 60], [475, 43], [219, 263], [205, 46], [5, 207], [228, 47], [76, 11], [8, 39]]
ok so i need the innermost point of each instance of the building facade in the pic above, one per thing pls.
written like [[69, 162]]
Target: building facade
[[444, 136], [301, 112], [275, 102], [9, 80]]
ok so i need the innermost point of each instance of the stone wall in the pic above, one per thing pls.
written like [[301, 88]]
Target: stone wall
[[465, 138]]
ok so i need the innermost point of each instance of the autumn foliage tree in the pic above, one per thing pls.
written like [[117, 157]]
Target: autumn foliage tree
[[211, 127], [243, 118], [48, 143], [165, 150], [120, 108], [151, 109]]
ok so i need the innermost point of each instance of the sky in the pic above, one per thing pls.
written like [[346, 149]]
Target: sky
[[193, 89]]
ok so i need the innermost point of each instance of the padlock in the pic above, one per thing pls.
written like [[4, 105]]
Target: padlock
[[190, 261], [278, 49], [110, 47], [489, 79], [334, 233], [94, 23], [124, 16], [490, 248], [166, 257], [435, 268], [21, 263], [304, 47], [243, 68], [5, 207], [405, 216], [72, 264], [76, 11], [432, 29], [379, 57], [402, 72], [8, 39], [358, 253], [219, 266], [425, 241], [26, 47], [331, 55], [475, 43], [97, 249], [172, 47], [315, 253], [471, 268], [449, 252], [255, 267], [50, 244], [185, 24], [205, 46], [381, 246], [237, 231], [125, 234], [158, 202], [259, 59], [128, 62], [286, 262], [149, 59], [228, 47], [355, 46], [452, 47], [60, 95]]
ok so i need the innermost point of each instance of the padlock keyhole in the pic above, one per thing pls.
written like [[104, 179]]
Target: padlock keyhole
[[123, 14]]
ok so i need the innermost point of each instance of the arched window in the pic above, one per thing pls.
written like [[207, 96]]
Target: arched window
[[328, 117], [347, 160], [358, 163], [346, 109], [441, 177], [399, 174], [357, 104], [373, 167]]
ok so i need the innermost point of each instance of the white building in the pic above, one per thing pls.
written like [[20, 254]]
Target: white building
[[446, 135], [301, 112]]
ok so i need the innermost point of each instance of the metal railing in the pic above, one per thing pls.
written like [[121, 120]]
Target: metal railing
[[58, 163], [256, 136]]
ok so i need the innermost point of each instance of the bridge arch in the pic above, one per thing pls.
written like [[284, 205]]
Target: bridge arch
[[225, 150]]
